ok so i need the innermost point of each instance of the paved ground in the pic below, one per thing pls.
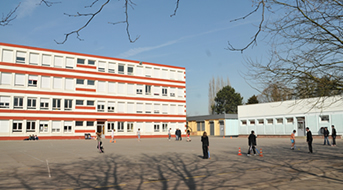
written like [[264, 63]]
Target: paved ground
[[160, 164]]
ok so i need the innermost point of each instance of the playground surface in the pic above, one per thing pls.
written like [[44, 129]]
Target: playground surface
[[162, 164]]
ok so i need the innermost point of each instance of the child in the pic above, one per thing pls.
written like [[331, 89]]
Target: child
[[188, 136], [293, 139], [99, 146], [112, 135]]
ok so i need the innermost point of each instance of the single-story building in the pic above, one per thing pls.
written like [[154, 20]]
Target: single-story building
[[215, 125]]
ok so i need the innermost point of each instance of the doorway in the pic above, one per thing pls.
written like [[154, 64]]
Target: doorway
[[211, 128], [221, 124], [301, 126], [100, 127]]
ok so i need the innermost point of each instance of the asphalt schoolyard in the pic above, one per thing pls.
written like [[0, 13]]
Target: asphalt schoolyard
[[162, 164]]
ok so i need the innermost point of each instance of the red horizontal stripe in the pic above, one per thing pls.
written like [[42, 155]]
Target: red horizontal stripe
[[84, 131], [85, 108], [87, 113], [86, 119], [85, 89], [86, 66], [88, 55], [81, 77], [87, 95]]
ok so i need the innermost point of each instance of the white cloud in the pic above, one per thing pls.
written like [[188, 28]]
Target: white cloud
[[27, 7]]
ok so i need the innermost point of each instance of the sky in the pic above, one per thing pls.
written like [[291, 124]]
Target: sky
[[195, 38]]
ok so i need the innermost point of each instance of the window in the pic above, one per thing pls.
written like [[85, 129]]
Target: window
[[157, 73], [90, 82], [130, 89], [101, 86], [34, 59], [18, 102], [56, 104], [46, 82], [165, 73], [44, 104], [17, 126], [4, 102], [290, 120], [78, 123], [244, 122], [148, 71], [111, 67], [68, 104], [157, 128], [90, 103], [110, 106], [164, 127], [164, 108], [111, 87], [203, 126], [58, 61], [252, 122], [172, 74], [6, 79], [180, 109], [148, 108], [31, 103], [180, 92], [120, 127], [7, 56], [172, 92], [80, 81], [20, 57], [70, 63], [279, 120], [80, 61], [180, 75], [30, 126], [129, 127], [130, 70], [139, 107], [69, 84], [46, 60], [56, 126], [67, 127], [110, 126], [57, 83], [164, 91], [260, 121], [79, 102], [91, 62], [121, 88], [157, 108], [156, 90], [19, 80], [101, 66], [121, 107], [101, 106], [130, 107], [324, 118], [139, 71], [270, 121], [147, 89], [32, 80], [121, 69], [198, 126], [90, 123], [43, 126], [139, 89]]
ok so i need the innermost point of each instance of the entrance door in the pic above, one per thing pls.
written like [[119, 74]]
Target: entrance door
[[211, 128], [221, 124], [301, 126]]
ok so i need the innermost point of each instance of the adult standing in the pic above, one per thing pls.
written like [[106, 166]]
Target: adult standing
[[326, 136], [309, 139], [252, 143], [176, 134], [205, 145], [179, 134], [333, 134], [169, 134]]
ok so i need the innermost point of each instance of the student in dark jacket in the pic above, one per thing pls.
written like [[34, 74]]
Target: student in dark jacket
[[333, 134], [252, 143], [205, 145], [326, 136], [309, 139]]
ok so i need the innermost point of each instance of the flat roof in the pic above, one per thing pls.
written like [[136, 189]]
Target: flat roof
[[210, 117]]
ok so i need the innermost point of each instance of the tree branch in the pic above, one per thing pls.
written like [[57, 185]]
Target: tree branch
[[5, 20], [48, 3], [176, 7]]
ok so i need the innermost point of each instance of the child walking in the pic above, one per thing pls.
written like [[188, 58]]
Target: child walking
[[293, 140], [139, 135]]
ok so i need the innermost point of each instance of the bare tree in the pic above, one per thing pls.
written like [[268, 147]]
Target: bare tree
[[307, 46], [7, 18], [214, 86]]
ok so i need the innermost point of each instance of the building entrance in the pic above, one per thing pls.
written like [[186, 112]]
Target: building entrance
[[221, 124], [211, 128], [301, 126]]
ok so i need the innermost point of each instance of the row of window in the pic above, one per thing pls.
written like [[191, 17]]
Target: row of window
[[68, 126], [271, 121], [102, 66], [59, 83], [21, 102]]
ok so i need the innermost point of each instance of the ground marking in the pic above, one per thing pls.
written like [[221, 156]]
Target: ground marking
[[48, 168]]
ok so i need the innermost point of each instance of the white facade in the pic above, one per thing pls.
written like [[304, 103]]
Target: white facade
[[58, 94], [281, 118]]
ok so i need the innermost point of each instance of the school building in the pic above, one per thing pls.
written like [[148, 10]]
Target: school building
[[216, 125], [281, 118], [63, 95]]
